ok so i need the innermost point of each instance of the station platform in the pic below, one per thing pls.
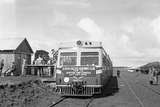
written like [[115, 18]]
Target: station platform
[[134, 91]]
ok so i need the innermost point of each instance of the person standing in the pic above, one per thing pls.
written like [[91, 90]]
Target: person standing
[[156, 76], [1, 66], [118, 73], [49, 68], [23, 65], [13, 68], [153, 76], [39, 63]]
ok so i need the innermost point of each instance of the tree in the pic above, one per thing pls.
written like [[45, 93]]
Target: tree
[[54, 55]]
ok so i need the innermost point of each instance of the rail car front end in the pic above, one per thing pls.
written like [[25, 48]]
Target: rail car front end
[[83, 68]]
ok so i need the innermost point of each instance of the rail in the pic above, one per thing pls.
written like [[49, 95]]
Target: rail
[[89, 102], [58, 101]]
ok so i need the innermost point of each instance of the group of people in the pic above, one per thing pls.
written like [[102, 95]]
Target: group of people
[[40, 69], [153, 75], [9, 71]]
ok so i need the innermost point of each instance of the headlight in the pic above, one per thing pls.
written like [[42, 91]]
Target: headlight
[[66, 79]]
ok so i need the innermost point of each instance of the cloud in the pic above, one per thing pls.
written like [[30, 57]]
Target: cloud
[[7, 17], [141, 34], [94, 31], [75, 3], [7, 1], [62, 26], [59, 18], [117, 45], [136, 43], [139, 39], [129, 33], [156, 27]]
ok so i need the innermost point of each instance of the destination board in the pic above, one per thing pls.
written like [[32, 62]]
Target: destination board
[[79, 71]]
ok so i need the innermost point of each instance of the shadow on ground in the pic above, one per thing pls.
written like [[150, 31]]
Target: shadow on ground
[[110, 88]]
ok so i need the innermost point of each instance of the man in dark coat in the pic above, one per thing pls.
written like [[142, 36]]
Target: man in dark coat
[[118, 73], [13, 68], [1, 66]]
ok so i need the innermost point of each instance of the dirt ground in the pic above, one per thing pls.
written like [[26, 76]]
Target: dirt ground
[[25, 92]]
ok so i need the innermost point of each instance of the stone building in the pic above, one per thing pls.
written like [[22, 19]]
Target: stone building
[[15, 50]]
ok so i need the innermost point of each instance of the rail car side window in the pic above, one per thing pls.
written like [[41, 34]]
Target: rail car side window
[[68, 58], [89, 58]]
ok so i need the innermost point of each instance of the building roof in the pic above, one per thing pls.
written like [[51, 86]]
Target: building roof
[[10, 44]]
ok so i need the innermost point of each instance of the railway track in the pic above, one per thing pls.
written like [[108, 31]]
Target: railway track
[[133, 92], [150, 88], [59, 101], [89, 102]]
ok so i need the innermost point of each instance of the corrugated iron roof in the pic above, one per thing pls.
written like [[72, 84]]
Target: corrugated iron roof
[[10, 43]]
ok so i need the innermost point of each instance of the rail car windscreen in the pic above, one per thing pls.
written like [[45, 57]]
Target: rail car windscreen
[[89, 58], [68, 58]]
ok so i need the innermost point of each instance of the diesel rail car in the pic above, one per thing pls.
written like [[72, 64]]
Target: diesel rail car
[[82, 68]]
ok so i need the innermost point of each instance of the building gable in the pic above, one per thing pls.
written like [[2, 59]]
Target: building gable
[[24, 47]]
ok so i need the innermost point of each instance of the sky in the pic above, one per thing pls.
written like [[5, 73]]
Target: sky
[[128, 29]]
